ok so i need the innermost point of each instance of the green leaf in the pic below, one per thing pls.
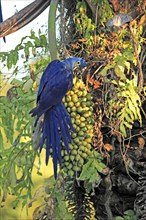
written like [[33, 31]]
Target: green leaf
[[29, 44], [119, 72], [99, 166], [129, 212], [96, 155], [128, 55], [128, 117], [1, 141], [16, 82], [10, 60], [127, 64], [61, 211], [15, 203], [132, 108], [43, 39], [95, 177], [26, 51], [104, 71], [119, 218], [123, 130], [84, 174], [12, 176], [127, 124]]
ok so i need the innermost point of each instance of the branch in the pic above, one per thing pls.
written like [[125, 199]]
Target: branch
[[52, 29], [92, 6], [140, 75], [23, 17]]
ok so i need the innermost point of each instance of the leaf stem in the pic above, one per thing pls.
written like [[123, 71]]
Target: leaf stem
[[140, 76], [52, 29]]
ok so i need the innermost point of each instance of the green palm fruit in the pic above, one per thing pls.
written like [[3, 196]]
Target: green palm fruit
[[74, 98], [84, 155], [79, 105], [82, 148], [82, 118], [71, 104], [75, 146], [66, 158], [68, 109], [74, 152], [68, 98], [77, 122], [72, 158], [73, 120], [81, 133], [81, 161], [73, 109], [69, 166], [76, 168], [70, 173], [84, 129], [78, 157], [85, 93], [71, 147]]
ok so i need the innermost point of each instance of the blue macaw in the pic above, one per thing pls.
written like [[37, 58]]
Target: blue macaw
[[55, 82], [1, 18]]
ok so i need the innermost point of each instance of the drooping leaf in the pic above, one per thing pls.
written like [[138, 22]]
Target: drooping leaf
[[122, 129], [99, 166], [127, 124], [84, 175]]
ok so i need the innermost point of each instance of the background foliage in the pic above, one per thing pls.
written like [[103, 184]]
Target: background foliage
[[115, 77]]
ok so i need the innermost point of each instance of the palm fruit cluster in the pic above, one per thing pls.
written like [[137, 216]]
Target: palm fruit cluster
[[79, 105]]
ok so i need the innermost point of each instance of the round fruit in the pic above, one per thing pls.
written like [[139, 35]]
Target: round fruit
[[71, 104], [74, 98], [73, 109], [72, 158], [82, 124], [84, 155], [76, 168], [68, 98], [81, 133], [68, 109], [74, 152], [76, 140], [66, 158], [82, 148], [80, 107], [77, 122], [70, 173], [74, 135]]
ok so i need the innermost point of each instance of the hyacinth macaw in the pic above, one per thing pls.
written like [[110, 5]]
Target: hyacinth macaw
[[55, 82], [1, 18]]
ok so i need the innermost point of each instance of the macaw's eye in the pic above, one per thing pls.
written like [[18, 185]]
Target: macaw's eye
[[78, 63]]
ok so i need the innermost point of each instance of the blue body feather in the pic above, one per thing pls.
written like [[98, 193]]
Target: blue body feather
[[56, 81]]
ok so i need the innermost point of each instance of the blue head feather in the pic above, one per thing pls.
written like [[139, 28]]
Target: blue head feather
[[73, 62]]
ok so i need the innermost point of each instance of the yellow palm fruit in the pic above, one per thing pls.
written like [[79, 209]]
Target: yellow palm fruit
[[79, 105]]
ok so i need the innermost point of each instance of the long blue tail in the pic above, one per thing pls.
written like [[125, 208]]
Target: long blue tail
[[56, 129]]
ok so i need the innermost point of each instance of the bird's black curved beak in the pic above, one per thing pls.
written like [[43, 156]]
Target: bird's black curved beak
[[83, 64]]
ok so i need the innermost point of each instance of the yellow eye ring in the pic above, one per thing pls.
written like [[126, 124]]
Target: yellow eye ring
[[78, 62]]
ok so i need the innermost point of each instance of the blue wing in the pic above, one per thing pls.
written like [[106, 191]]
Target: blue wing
[[53, 88], [45, 77]]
